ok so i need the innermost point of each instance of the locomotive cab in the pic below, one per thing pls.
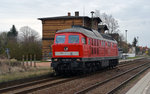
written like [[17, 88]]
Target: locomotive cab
[[67, 51], [68, 45]]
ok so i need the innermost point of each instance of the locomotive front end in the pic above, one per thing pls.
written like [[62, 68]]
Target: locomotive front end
[[67, 52]]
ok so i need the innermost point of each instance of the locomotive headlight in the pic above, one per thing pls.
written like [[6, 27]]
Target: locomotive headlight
[[77, 59], [55, 59]]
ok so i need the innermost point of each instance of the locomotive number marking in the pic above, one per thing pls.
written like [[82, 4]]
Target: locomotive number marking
[[66, 53]]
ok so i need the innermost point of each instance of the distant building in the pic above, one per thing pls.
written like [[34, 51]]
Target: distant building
[[115, 36], [51, 24], [102, 28]]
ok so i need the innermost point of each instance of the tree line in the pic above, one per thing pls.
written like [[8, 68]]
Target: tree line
[[18, 43]]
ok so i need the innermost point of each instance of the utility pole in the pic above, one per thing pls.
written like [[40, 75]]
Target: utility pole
[[137, 40], [126, 42], [137, 45], [126, 35]]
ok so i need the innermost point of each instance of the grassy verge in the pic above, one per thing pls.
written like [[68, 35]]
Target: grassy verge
[[44, 61], [133, 57], [137, 57], [27, 74]]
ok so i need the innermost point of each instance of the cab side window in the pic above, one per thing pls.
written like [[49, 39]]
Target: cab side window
[[83, 40], [89, 41]]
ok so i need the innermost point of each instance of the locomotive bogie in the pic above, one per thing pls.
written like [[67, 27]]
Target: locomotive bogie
[[64, 66]]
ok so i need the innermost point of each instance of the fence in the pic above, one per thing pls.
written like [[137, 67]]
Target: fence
[[29, 60]]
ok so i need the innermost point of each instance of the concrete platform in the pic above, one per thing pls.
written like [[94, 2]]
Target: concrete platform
[[142, 86]]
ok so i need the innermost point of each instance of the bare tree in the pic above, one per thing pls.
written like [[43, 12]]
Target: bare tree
[[108, 20], [27, 42], [27, 34], [30, 42]]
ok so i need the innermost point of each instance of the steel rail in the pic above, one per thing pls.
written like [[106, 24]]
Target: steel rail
[[83, 91], [24, 80], [126, 64], [50, 85], [126, 81], [26, 84]]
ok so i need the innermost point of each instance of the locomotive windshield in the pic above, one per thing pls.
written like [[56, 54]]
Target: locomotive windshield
[[73, 38], [60, 39]]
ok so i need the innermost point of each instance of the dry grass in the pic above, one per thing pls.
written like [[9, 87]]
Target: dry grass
[[9, 66], [12, 69], [26, 74]]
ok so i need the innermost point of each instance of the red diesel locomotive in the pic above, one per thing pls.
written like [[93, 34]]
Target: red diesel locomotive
[[82, 49]]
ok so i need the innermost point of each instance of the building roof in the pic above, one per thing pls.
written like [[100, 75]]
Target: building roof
[[69, 17], [63, 17], [106, 36], [103, 27]]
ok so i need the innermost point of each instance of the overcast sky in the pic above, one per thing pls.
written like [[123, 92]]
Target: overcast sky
[[132, 15]]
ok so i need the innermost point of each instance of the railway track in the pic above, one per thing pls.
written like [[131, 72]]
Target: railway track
[[29, 87], [6, 89], [126, 64], [78, 84], [96, 85], [25, 80], [126, 81], [36, 85], [130, 61]]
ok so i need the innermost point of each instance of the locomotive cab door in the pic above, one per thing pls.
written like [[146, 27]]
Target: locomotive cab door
[[89, 47], [85, 48]]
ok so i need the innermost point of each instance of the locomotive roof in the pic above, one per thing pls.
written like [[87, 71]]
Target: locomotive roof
[[87, 32]]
